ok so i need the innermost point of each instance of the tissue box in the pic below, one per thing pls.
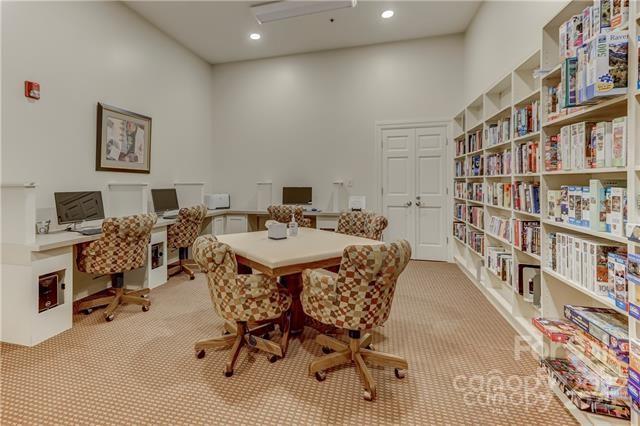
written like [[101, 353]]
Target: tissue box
[[277, 231]]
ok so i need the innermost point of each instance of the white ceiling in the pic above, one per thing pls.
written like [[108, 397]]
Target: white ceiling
[[218, 31]]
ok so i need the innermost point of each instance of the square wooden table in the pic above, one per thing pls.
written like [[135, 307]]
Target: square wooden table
[[310, 249]]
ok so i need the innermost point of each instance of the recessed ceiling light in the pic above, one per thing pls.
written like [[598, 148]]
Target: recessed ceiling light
[[387, 14], [254, 36]]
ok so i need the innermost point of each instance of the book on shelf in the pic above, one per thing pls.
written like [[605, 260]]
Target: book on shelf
[[474, 191], [500, 262], [498, 194], [475, 240], [498, 133], [475, 216], [459, 190], [459, 231], [460, 147], [498, 163], [526, 197], [526, 119], [474, 165], [526, 235], [460, 168], [526, 157], [474, 141], [587, 145], [460, 211], [500, 227]]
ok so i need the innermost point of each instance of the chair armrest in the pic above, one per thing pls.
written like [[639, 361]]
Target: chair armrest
[[255, 286]]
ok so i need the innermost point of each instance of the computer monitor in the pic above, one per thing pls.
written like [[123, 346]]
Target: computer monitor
[[74, 207], [164, 199], [296, 195]]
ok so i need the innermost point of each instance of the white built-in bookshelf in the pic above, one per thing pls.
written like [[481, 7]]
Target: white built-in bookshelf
[[519, 88]]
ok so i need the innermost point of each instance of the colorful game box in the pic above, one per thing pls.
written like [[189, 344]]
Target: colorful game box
[[606, 325], [556, 330]]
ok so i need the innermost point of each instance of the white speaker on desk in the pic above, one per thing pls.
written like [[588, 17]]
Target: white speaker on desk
[[357, 203]]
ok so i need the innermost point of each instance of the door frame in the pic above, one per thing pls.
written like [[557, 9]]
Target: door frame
[[380, 126]]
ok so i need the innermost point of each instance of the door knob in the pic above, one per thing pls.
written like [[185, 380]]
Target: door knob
[[418, 203], [408, 203]]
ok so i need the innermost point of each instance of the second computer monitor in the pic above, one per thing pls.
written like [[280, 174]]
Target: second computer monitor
[[164, 199], [74, 207], [298, 195]]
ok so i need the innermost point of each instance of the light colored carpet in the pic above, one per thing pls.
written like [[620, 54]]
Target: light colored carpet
[[141, 368]]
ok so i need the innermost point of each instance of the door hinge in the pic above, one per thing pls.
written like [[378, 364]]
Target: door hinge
[[381, 191], [447, 189], [447, 240]]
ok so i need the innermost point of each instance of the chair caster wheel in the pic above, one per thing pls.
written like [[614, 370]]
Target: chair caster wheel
[[228, 373], [225, 333], [370, 347], [266, 336], [368, 395], [145, 308], [326, 350], [192, 277], [87, 311], [110, 318], [200, 354], [321, 376], [400, 374], [273, 358]]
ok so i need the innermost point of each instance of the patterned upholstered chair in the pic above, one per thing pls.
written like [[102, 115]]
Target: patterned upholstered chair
[[283, 214], [362, 224], [182, 234], [122, 247], [357, 298], [249, 303]]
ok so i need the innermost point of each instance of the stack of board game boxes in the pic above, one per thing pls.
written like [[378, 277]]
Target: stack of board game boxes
[[594, 53], [601, 206], [593, 369]]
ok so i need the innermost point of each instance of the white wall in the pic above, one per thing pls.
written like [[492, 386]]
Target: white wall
[[501, 36], [82, 53], [307, 120]]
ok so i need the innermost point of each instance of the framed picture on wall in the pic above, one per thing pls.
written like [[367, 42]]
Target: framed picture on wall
[[123, 142]]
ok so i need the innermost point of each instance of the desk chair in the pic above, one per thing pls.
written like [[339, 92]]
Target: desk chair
[[122, 247], [357, 298], [182, 234], [362, 224], [283, 214], [249, 303]]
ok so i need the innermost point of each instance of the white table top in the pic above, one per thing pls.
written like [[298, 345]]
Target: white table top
[[310, 245]]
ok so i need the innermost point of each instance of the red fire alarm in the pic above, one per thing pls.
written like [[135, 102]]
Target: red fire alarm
[[32, 89]]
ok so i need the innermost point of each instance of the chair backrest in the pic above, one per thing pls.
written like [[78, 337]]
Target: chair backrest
[[283, 214], [366, 283], [122, 246], [218, 261], [187, 227], [362, 224]]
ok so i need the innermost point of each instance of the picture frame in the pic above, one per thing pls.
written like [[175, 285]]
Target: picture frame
[[123, 142]]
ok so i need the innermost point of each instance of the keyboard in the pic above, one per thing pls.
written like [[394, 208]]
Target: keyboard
[[91, 231], [170, 214]]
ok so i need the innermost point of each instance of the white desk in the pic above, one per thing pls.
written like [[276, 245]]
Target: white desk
[[23, 264]]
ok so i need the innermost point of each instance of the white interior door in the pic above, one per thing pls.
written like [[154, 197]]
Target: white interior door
[[431, 200], [398, 183], [414, 188]]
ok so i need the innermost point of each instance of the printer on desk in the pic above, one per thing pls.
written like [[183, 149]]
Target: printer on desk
[[217, 201]]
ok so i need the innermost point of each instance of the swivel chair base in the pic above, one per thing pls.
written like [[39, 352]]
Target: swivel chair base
[[181, 265], [239, 334], [357, 351], [119, 296]]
